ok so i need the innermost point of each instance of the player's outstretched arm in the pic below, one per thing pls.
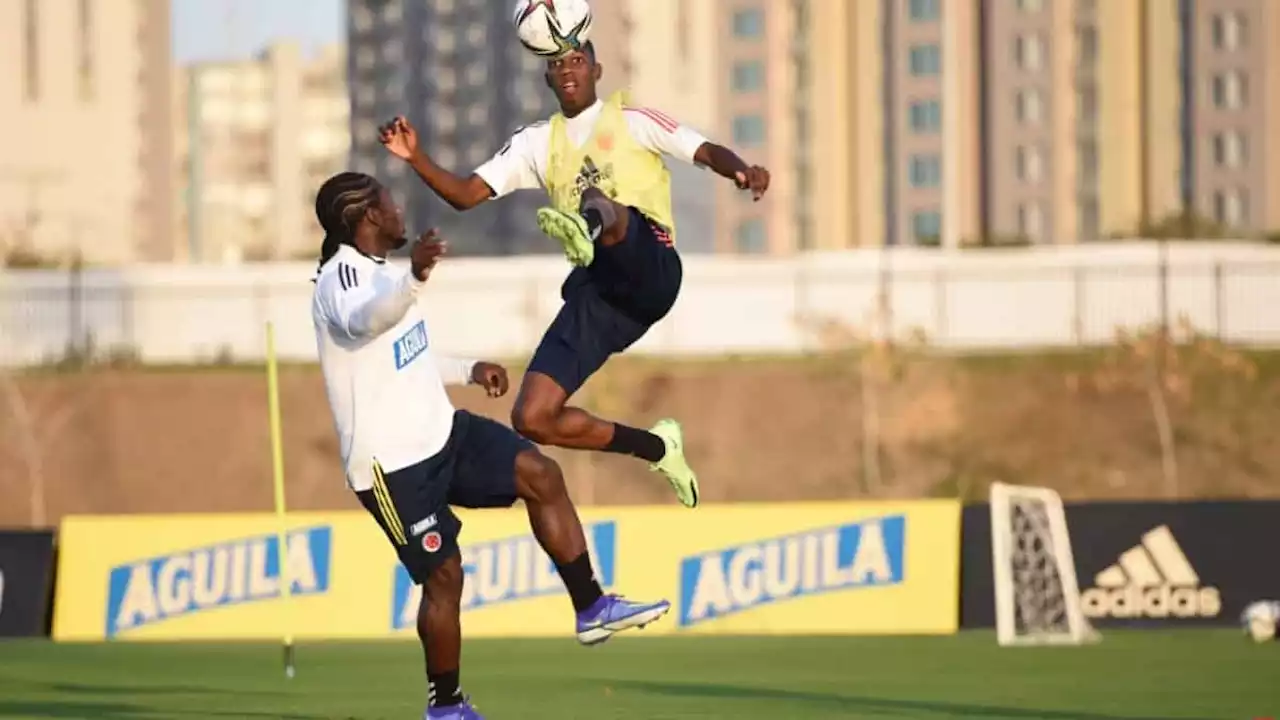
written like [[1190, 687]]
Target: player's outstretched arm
[[462, 193], [361, 312], [658, 132], [726, 163]]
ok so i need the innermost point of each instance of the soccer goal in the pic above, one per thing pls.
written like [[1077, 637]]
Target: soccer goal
[[1037, 597]]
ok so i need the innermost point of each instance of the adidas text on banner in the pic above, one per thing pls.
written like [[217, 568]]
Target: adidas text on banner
[[1153, 579]]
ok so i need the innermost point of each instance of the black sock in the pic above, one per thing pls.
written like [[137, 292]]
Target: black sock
[[580, 581], [634, 441], [443, 690]]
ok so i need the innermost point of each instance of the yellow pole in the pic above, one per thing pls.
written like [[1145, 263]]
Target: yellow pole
[[277, 478]]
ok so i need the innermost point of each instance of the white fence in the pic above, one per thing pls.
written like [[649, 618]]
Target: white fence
[[961, 300]]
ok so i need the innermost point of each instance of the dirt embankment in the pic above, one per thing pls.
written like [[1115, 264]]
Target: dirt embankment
[[123, 441]]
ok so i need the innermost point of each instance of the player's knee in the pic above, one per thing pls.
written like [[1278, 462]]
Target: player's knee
[[443, 589], [535, 422], [538, 478]]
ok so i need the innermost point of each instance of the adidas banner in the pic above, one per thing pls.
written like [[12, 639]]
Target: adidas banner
[[1146, 564], [26, 576]]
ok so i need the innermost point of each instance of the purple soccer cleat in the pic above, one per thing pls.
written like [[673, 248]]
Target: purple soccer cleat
[[463, 711], [613, 613]]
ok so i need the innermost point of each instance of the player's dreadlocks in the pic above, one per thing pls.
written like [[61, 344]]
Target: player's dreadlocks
[[340, 205]]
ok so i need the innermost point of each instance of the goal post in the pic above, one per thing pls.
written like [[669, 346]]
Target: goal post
[[1037, 596]]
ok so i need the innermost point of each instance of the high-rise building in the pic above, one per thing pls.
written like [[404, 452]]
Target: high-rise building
[[1232, 111], [1053, 121], [455, 69], [255, 139], [86, 163]]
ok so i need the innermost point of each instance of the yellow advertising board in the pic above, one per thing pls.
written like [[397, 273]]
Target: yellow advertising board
[[797, 568]]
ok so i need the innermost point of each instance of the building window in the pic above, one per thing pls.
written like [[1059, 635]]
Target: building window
[[1090, 220], [748, 76], [748, 130], [748, 24], [1029, 106], [393, 52], [749, 237], [1030, 164], [925, 116], [1228, 30], [31, 51], [361, 18], [1229, 149], [926, 227], [924, 60], [924, 10], [1230, 90], [85, 49], [1087, 104], [1086, 46], [1088, 159], [1231, 207], [1028, 52], [1031, 221], [924, 171]]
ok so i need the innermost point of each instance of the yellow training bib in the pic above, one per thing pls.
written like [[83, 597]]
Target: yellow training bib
[[612, 161]]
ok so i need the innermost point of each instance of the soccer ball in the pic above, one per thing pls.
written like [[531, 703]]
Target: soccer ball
[[551, 28], [1260, 620]]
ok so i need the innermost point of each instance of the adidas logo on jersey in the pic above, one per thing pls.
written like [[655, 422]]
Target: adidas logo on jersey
[[1151, 580]]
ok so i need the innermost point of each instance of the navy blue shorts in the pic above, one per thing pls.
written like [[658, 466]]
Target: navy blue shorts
[[475, 469], [610, 305]]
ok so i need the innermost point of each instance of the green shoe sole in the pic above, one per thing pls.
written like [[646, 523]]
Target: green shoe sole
[[570, 232]]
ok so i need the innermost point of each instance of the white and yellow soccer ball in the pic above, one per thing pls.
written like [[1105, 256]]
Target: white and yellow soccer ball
[[1260, 620], [551, 28]]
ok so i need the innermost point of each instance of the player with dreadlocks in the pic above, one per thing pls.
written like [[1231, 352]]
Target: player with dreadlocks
[[409, 455]]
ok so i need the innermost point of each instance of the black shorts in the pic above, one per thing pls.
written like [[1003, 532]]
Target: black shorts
[[610, 305], [475, 469]]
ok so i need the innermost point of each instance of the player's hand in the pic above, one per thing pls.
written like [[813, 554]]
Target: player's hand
[[399, 137], [492, 377], [426, 252], [755, 179]]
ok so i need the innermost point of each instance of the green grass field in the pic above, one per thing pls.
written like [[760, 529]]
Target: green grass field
[[1131, 676]]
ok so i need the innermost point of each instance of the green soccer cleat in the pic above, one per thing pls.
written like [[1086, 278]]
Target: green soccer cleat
[[682, 478], [571, 232]]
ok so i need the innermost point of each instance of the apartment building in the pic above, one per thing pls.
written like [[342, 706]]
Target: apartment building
[[456, 70], [1232, 111], [1054, 121], [86, 162], [255, 139]]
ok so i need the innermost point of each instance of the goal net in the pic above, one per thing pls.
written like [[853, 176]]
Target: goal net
[[1037, 597]]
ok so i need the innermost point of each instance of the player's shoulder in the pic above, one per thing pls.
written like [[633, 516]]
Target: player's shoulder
[[528, 134], [349, 269], [650, 115]]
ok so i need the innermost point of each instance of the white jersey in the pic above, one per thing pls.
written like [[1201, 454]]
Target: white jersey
[[522, 163], [385, 386]]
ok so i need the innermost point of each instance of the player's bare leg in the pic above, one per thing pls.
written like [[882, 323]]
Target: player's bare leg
[[440, 629], [555, 523], [542, 414]]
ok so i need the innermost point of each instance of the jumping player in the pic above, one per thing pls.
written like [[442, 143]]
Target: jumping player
[[601, 165], [409, 455]]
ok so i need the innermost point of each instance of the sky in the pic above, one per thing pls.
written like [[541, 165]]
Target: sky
[[225, 29]]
